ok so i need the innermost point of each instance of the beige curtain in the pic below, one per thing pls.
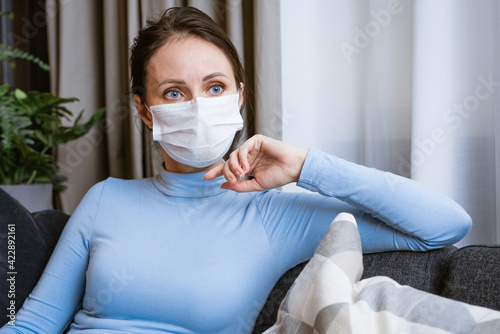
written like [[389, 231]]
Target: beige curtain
[[89, 45]]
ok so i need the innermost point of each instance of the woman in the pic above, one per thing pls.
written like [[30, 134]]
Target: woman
[[197, 249]]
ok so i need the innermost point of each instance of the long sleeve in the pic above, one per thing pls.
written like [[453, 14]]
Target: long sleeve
[[58, 294], [393, 212]]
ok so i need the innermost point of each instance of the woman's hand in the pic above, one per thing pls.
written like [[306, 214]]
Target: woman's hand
[[272, 164]]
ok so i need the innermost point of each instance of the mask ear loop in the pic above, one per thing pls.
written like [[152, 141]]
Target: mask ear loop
[[147, 108], [239, 93]]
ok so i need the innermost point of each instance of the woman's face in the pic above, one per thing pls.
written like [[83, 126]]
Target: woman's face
[[183, 69]]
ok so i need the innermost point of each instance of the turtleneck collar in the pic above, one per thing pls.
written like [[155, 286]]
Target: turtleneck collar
[[187, 184]]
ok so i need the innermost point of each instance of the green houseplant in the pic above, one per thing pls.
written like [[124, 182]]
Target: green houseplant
[[31, 126]]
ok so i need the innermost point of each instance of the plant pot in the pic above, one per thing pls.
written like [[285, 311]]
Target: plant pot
[[34, 197]]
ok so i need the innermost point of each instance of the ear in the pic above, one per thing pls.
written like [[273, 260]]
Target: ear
[[143, 112], [241, 98]]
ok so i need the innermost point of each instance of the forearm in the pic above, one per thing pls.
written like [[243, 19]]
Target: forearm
[[405, 205]]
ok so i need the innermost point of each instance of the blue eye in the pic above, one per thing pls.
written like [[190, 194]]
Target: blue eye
[[216, 89], [173, 94]]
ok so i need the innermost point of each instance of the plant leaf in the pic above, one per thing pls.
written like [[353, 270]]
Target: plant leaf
[[8, 53]]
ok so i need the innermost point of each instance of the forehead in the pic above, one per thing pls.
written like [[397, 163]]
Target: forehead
[[187, 58]]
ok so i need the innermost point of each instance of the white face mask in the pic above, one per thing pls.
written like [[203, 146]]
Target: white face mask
[[199, 132]]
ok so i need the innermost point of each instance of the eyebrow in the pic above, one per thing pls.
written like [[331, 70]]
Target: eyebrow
[[213, 75], [182, 82]]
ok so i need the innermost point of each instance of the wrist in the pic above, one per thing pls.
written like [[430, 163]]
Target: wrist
[[300, 159]]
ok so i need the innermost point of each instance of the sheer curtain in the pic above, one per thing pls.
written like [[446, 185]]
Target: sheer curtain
[[410, 87], [89, 45]]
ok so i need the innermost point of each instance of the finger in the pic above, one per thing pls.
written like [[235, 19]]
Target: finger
[[228, 173], [243, 186], [214, 172], [235, 165], [243, 157], [244, 151]]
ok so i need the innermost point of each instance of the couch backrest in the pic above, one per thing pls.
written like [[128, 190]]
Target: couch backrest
[[473, 276], [35, 238], [422, 270]]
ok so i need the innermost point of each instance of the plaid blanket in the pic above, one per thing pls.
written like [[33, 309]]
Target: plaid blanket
[[328, 297]]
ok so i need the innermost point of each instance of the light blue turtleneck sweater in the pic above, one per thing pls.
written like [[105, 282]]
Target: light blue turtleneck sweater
[[177, 254]]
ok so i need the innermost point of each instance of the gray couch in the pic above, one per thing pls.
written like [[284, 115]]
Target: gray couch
[[470, 274]]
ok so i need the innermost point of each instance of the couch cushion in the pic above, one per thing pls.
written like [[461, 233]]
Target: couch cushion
[[474, 276], [35, 238], [421, 270]]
